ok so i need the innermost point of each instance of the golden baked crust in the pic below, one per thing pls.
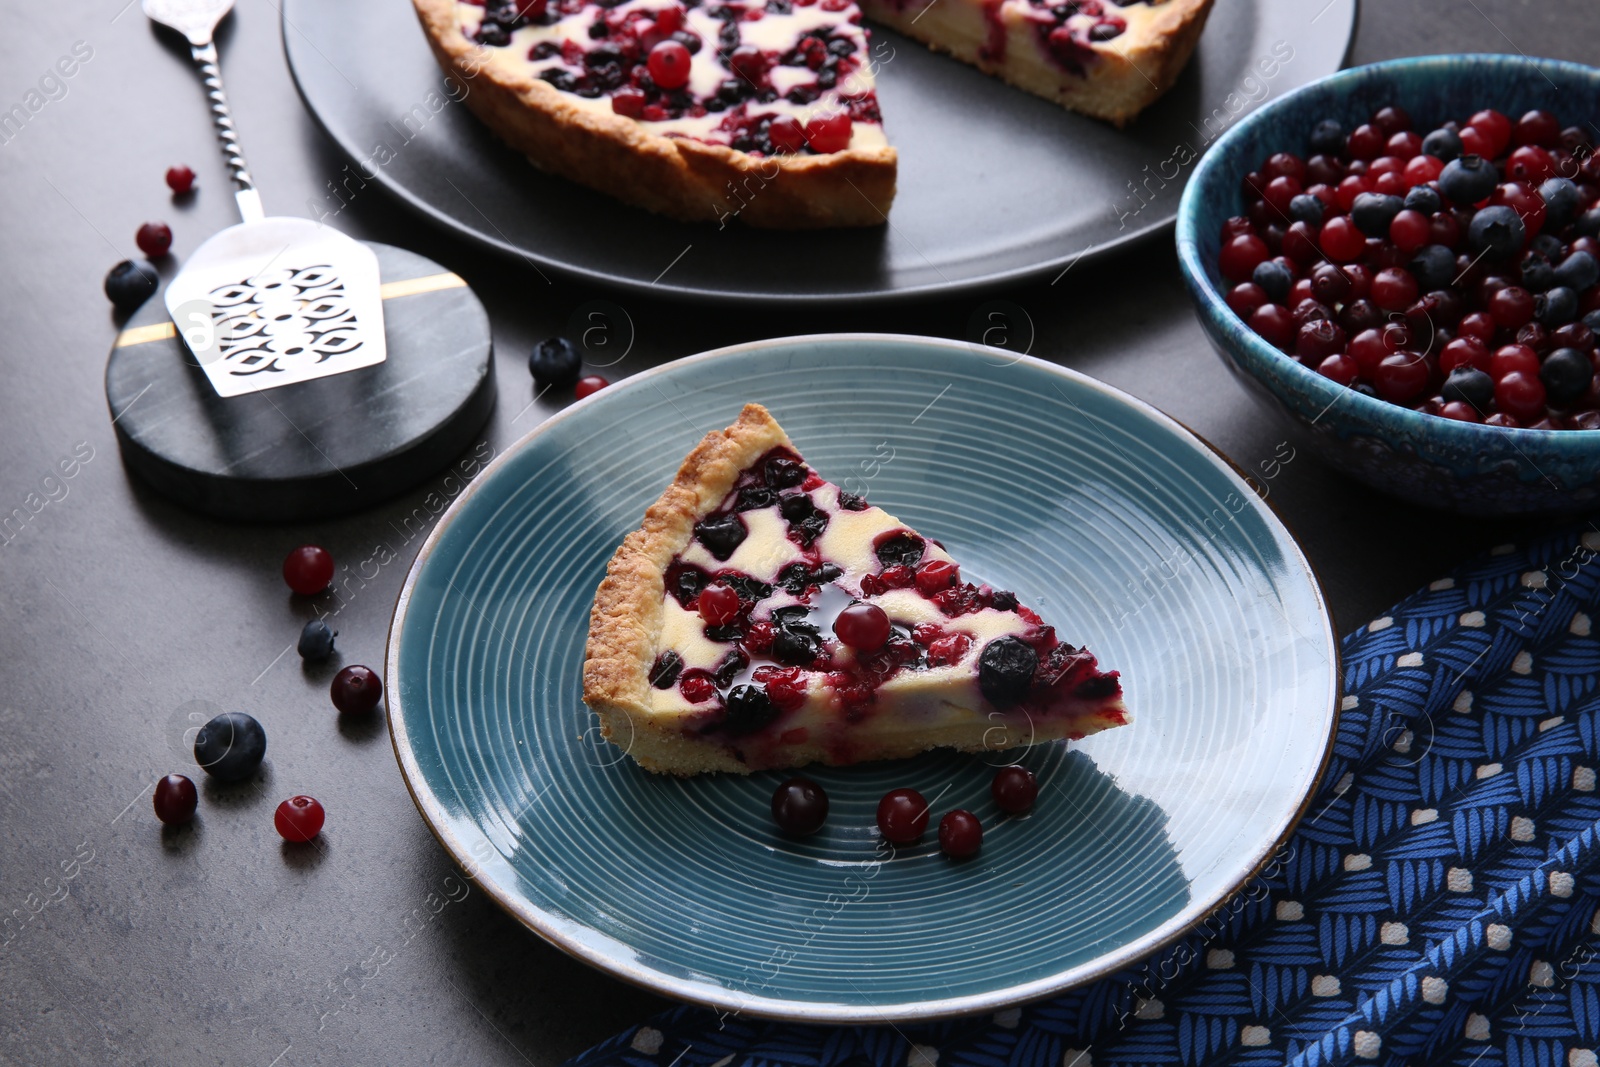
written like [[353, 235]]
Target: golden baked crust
[[1132, 71], [672, 176], [625, 622]]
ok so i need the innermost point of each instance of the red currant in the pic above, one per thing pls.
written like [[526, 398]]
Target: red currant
[[948, 649], [1520, 394], [799, 807], [1365, 142], [175, 800], [936, 575], [308, 569], [1339, 367], [1538, 128], [718, 604], [180, 179], [1410, 230], [1394, 289], [356, 690], [786, 135], [829, 133], [1460, 411], [862, 626], [298, 819], [1423, 169], [1479, 324], [1014, 789], [1404, 145], [1284, 165], [1318, 339], [902, 816], [1241, 256], [629, 103], [1245, 297], [960, 834], [1464, 351], [1274, 323], [154, 239], [1495, 129], [696, 686], [1401, 377], [1511, 306], [1341, 241], [1512, 359], [669, 64], [1392, 119]]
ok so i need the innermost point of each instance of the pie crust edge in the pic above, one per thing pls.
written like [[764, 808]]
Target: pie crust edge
[[625, 622]]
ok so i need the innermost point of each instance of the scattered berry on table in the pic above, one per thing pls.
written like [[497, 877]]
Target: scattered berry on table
[[154, 239], [800, 807], [589, 385], [308, 569], [180, 179], [902, 816], [130, 284], [960, 834], [555, 363], [175, 800], [316, 640], [1014, 789], [356, 689], [299, 819], [230, 747], [1452, 267]]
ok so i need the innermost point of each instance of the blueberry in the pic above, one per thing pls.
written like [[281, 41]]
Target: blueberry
[[1372, 213], [1307, 209], [794, 649], [1005, 670], [852, 502], [664, 672], [555, 363], [1468, 179], [1274, 279], [316, 640], [1470, 385], [230, 746], [749, 709], [1537, 273], [903, 549], [755, 496], [1588, 224], [130, 284], [795, 506], [1556, 307], [1592, 320], [1424, 198], [1442, 144], [1547, 246], [1496, 231], [1562, 202], [721, 534], [1434, 267], [689, 585], [1566, 374], [1578, 271], [1327, 138], [783, 473]]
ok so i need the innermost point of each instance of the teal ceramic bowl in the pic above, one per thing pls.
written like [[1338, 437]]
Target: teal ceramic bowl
[[1475, 469], [1115, 522]]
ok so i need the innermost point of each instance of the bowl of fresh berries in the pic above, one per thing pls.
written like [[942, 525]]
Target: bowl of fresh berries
[[1403, 261]]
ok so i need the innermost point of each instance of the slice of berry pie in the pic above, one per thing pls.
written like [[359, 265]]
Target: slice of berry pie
[[1109, 60], [763, 617], [701, 110]]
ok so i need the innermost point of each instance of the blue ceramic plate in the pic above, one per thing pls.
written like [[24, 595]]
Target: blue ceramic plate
[[1117, 524]]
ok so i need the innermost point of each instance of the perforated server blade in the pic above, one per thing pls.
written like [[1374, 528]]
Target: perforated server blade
[[270, 301]]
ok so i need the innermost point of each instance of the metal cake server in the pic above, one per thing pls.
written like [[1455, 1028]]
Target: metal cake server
[[273, 300]]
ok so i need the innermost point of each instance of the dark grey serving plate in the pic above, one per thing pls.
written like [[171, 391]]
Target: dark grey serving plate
[[995, 185]]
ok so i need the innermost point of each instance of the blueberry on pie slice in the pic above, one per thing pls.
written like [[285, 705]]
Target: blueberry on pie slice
[[762, 617]]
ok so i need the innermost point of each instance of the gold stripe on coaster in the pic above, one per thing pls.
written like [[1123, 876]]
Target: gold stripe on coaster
[[156, 331], [432, 283], [429, 284]]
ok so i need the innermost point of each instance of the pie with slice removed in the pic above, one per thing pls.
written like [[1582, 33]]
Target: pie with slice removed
[[762, 617], [767, 110]]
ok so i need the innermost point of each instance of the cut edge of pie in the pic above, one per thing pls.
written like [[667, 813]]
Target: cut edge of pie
[[674, 176], [627, 624]]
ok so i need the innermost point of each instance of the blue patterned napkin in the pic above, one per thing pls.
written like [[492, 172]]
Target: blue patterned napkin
[[1436, 906]]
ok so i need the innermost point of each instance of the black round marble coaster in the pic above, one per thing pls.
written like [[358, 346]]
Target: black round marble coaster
[[317, 448]]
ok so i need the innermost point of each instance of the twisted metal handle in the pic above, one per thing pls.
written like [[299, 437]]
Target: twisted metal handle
[[205, 57]]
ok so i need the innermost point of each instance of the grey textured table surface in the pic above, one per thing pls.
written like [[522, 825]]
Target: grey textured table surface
[[127, 945]]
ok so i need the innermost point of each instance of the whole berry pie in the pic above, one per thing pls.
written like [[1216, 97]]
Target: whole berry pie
[[767, 109], [762, 617]]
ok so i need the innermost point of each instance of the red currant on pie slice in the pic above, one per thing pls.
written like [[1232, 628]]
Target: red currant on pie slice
[[763, 617]]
